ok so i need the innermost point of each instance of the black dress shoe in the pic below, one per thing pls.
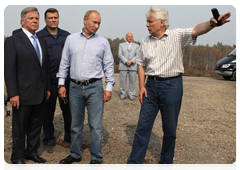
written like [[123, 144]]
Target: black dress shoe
[[21, 165], [69, 160], [128, 168], [37, 159], [94, 165]]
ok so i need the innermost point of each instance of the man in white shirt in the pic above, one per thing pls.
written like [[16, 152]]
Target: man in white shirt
[[160, 58], [88, 56]]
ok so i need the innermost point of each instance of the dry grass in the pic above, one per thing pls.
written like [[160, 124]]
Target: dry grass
[[189, 71], [193, 71]]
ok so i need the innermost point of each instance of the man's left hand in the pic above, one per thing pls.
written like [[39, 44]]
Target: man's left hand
[[107, 96], [222, 17], [129, 62]]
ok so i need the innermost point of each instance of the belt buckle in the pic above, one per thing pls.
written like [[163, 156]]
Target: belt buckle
[[84, 83], [87, 82], [155, 79]]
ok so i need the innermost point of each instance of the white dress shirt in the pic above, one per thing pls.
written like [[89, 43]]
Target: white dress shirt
[[87, 58], [163, 57], [29, 35]]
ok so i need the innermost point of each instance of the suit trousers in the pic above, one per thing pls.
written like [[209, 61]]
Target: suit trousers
[[165, 96], [48, 127], [123, 82], [26, 120]]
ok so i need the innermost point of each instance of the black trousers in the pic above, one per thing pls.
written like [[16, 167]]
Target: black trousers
[[48, 127], [26, 122]]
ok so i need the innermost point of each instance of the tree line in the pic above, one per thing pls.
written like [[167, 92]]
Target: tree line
[[195, 57]]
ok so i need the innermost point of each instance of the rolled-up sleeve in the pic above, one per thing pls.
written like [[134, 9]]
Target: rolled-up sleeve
[[185, 35], [139, 59]]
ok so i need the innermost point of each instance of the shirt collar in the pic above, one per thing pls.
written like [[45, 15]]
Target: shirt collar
[[48, 33], [83, 34], [166, 32], [27, 33], [164, 35]]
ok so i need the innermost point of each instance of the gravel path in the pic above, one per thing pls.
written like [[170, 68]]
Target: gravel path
[[206, 132]]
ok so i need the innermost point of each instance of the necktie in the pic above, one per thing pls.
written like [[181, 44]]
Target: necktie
[[35, 45]]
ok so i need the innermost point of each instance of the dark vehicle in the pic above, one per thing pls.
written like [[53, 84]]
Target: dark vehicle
[[226, 67]]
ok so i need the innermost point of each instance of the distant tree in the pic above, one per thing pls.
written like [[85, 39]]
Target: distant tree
[[205, 57]]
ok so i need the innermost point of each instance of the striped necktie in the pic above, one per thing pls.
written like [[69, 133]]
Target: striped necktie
[[35, 45]]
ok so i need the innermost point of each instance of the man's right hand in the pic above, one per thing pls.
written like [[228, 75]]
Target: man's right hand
[[129, 62], [142, 91], [14, 101], [62, 92]]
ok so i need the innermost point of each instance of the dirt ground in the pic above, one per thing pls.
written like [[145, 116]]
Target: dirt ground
[[206, 132]]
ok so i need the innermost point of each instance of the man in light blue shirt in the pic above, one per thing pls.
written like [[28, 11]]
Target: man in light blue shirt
[[88, 57]]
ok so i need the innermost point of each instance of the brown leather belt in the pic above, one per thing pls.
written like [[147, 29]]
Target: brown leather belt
[[156, 78], [86, 82]]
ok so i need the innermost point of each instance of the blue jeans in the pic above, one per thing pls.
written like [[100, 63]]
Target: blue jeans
[[165, 96], [90, 96]]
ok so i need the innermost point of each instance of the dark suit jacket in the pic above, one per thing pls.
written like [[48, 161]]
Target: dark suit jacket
[[16, 31], [24, 76]]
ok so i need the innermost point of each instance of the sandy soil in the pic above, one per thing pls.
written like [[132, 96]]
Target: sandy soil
[[206, 132]]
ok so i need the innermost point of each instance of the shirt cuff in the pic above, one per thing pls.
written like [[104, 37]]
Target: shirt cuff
[[124, 60], [140, 63], [61, 81], [109, 87]]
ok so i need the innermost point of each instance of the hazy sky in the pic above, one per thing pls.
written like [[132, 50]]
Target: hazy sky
[[117, 20]]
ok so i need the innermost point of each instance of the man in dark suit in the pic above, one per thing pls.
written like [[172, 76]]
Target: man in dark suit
[[28, 86], [16, 31]]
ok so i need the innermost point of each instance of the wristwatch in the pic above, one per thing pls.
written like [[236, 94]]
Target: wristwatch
[[60, 86]]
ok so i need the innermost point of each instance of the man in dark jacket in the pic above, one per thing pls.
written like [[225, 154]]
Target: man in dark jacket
[[55, 38], [27, 79]]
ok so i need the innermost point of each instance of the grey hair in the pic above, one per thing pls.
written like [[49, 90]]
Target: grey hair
[[27, 10], [161, 14]]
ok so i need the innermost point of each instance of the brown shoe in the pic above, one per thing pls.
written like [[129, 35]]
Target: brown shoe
[[49, 149]]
